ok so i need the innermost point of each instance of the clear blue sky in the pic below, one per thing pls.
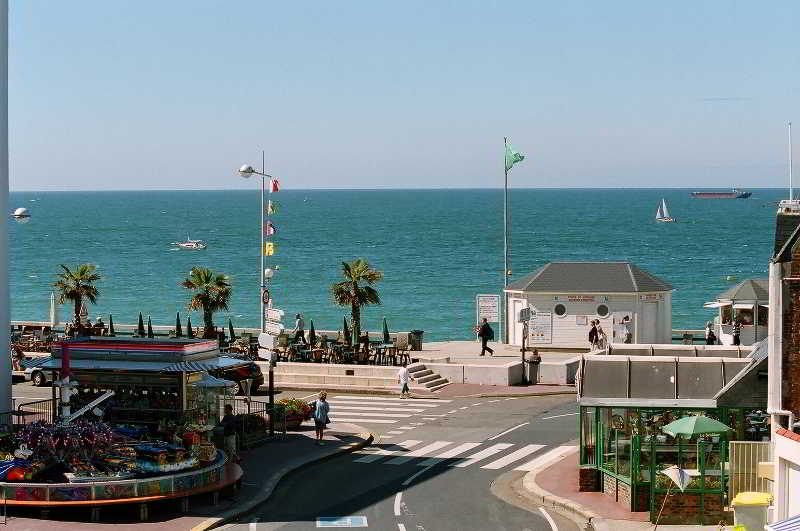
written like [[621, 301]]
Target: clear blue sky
[[150, 94]]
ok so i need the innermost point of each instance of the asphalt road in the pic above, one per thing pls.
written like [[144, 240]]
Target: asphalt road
[[438, 465]]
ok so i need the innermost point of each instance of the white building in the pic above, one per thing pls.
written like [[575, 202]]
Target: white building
[[746, 302], [567, 296]]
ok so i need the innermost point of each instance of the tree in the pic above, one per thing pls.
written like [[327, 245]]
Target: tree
[[356, 290], [77, 285], [212, 293]]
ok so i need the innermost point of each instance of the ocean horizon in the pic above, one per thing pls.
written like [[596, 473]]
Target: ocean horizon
[[437, 247]]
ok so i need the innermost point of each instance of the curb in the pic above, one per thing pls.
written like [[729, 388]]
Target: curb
[[340, 389], [549, 499], [266, 490]]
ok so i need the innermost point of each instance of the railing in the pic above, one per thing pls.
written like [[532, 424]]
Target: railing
[[744, 459], [39, 410], [254, 427]]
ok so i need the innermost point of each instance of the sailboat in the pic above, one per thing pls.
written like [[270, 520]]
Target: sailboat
[[662, 214]]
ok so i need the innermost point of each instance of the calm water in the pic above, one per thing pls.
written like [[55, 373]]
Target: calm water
[[437, 248]]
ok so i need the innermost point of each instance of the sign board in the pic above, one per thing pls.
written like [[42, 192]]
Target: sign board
[[273, 314], [540, 328], [524, 315], [273, 327], [580, 298], [652, 297], [267, 341], [488, 308]]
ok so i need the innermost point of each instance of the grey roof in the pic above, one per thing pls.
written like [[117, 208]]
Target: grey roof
[[148, 366], [589, 277], [752, 289], [749, 386], [786, 232]]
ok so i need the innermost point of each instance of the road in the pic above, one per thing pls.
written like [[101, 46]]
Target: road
[[436, 465]]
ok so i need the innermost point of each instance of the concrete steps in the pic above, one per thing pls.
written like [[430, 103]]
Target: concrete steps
[[321, 375]]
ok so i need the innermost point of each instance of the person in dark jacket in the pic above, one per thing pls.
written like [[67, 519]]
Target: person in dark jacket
[[736, 330], [486, 333], [593, 333], [228, 423]]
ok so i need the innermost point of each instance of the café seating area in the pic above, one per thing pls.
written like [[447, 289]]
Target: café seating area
[[337, 350]]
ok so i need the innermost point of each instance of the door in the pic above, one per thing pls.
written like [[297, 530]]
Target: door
[[648, 323], [515, 326]]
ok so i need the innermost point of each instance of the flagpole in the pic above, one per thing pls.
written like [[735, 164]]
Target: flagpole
[[504, 323], [263, 215]]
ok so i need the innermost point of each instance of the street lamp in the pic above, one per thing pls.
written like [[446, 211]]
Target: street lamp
[[265, 275]]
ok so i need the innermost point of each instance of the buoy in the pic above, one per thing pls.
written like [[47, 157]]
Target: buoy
[[730, 278]]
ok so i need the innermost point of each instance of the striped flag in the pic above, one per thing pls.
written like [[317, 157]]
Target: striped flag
[[269, 248], [274, 185], [269, 229]]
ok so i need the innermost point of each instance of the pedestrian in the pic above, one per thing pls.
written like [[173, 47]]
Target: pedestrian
[[593, 334], [602, 339], [486, 334], [229, 426], [709, 331], [299, 330], [403, 376], [321, 410], [736, 330], [626, 329]]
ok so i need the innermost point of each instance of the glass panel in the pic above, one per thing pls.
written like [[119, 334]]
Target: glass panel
[[588, 437]]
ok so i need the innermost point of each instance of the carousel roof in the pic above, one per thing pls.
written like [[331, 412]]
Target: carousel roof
[[752, 289]]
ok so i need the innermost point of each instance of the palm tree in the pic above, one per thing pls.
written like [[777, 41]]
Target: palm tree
[[356, 290], [212, 293], [77, 285]]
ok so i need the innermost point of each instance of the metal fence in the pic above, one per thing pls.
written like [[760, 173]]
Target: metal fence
[[39, 410], [254, 425], [744, 459]]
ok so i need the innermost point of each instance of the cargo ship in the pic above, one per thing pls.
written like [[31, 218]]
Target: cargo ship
[[733, 194]]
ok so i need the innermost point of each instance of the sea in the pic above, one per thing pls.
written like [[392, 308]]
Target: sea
[[437, 248]]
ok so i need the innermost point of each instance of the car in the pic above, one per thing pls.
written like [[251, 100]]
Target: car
[[39, 377], [239, 374]]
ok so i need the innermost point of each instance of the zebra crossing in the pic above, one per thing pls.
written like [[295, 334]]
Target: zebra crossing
[[363, 409], [487, 455]]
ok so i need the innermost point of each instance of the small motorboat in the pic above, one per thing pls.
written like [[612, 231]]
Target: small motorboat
[[191, 244], [21, 213]]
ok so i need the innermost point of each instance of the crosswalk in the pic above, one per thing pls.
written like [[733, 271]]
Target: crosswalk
[[487, 455], [362, 409]]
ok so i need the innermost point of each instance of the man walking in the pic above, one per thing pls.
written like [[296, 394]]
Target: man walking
[[736, 330], [593, 334], [229, 425], [403, 377], [486, 333], [299, 330]]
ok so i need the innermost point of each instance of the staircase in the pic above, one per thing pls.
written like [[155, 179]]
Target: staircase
[[313, 376]]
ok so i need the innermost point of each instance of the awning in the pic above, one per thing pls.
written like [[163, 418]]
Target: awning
[[204, 365], [743, 306], [785, 525], [716, 304], [210, 381], [764, 305]]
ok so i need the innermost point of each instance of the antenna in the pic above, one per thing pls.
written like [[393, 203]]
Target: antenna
[[790, 161]]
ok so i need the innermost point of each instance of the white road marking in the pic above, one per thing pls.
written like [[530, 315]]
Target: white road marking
[[372, 414], [549, 519], [391, 450], [360, 407], [513, 456], [493, 401], [452, 411], [464, 407], [387, 437], [400, 527], [478, 404], [452, 452], [398, 499], [483, 454], [417, 423], [401, 405], [415, 476], [368, 421], [557, 416], [507, 431], [406, 427], [396, 432], [420, 452], [428, 418], [555, 453], [412, 400]]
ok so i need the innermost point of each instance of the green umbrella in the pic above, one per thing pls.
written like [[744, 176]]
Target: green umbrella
[[111, 325], [178, 329], [312, 334], [386, 337], [150, 328], [189, 331], [230, 329], [694, 425], [140, 328], [346, 332]]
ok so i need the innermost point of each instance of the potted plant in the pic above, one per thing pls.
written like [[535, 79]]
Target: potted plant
[[296, 411]]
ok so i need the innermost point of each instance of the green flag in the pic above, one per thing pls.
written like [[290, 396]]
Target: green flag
[[512, 157], [272, 207]]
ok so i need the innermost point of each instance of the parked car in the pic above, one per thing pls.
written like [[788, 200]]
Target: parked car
[[39, 377], [247, 371]]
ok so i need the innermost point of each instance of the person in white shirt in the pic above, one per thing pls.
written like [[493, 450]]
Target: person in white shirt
[[403, 377], [299, 329]]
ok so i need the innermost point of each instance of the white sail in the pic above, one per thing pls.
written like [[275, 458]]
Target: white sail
[[664, 211], [660, 212]]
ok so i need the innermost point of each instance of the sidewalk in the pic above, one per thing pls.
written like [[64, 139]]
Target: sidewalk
[[263, 466], [476, 390], [555, 484]]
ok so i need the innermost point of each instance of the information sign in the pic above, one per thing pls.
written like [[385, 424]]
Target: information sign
[[273, 327], [274, 314], [488, 308], [540, 328]]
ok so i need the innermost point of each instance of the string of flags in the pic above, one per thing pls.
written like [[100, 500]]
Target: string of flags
[[270, 209]]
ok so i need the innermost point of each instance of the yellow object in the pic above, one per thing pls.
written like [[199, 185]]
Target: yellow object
[[269, 249], [752, 498]]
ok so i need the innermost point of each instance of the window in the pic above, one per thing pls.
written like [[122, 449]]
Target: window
[[602, 310], [560, 310]]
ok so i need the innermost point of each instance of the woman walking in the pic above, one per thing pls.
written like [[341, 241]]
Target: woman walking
[[321, 409]]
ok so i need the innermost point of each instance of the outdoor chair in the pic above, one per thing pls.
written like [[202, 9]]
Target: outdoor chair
[[401, 344], [283, 347]]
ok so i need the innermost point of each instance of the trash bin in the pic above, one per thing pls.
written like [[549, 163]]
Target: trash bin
[[531, 368], [415, 339], [750, 509]]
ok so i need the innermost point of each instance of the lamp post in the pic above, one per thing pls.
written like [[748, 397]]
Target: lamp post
[[265, 275]]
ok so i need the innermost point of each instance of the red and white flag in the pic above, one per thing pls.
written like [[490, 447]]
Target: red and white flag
[[269, 229], [274, 185]]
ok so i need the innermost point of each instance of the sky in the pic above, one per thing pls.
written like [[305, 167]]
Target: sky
[[146, 94]]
